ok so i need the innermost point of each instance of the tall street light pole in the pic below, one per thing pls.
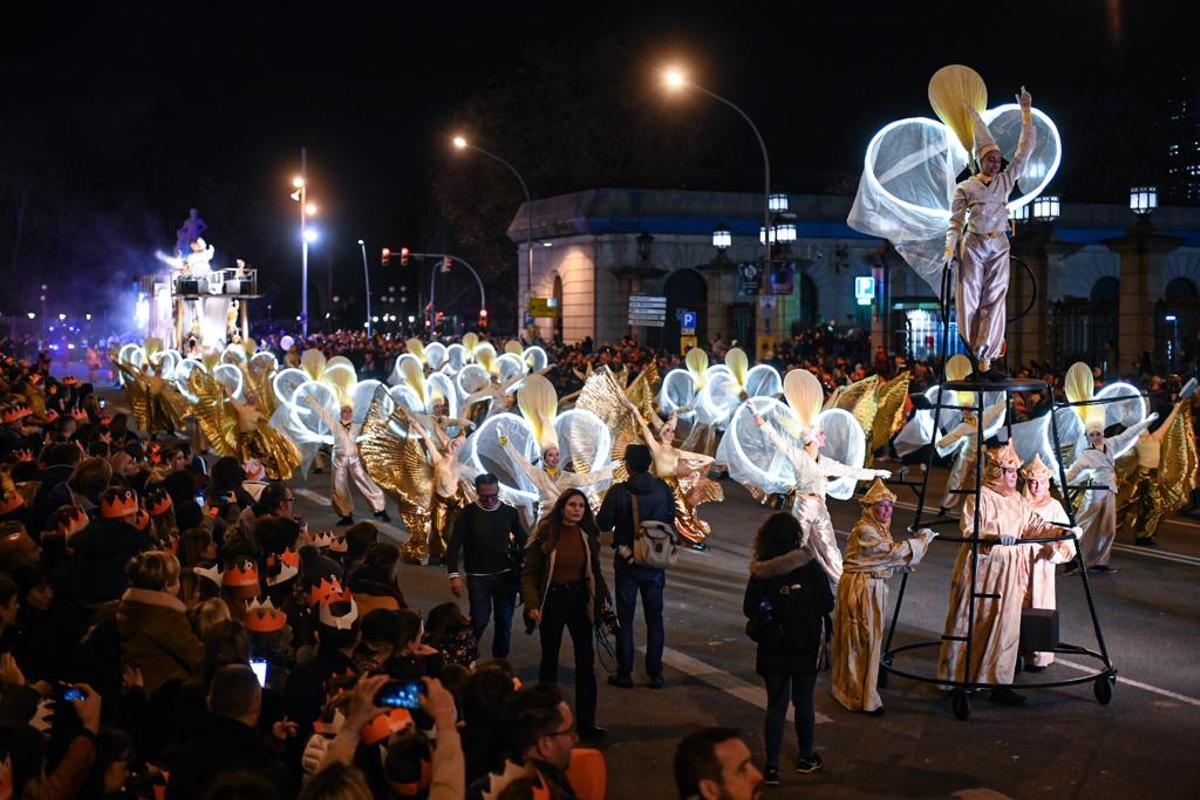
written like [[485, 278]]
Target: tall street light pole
[[461, 143], [367, 280], [307, 235], [676, 80]]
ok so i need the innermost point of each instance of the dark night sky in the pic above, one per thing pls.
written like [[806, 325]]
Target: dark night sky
[[178, 106]]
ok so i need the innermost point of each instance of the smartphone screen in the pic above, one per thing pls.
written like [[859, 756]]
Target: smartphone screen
[[72, 693], [260, 671], [400, 694], [103, 403], [200, 498]]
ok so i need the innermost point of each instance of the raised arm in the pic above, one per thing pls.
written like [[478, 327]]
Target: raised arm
[[1024, 145], [526, 466], [964, 429], [1132, 432], [800, 460]]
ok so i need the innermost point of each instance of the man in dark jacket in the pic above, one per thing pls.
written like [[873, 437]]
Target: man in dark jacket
[[489, 534], [655, 502], [104, 547], [228, 740]]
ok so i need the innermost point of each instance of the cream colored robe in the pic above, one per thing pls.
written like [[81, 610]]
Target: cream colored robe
[[871, 558], [1001, 570], [1042, 560]]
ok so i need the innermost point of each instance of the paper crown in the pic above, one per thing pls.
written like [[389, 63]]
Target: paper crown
[[344, 622], [79, 415], [50, 417], [11, 502], [878, 493], [1035, 470], [142, 520], [240, 573], [70, 524], [290, 557], [254, 469], [328, 540], [264, 617], [213, 573], [286, 571], [158, 503], [1004, 457], [70, 380], [381, 727], [10, 414], [319, 593], [332, 726], [118, 503], [105, 421]]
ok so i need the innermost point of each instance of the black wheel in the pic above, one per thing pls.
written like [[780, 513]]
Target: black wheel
[[1103, 688], [1020, 662], [883, 676], [960, 704]]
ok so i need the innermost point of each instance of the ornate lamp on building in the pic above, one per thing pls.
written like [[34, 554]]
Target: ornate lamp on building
[[722, 238], [1047, 208], [777, 203], [1143, 199]]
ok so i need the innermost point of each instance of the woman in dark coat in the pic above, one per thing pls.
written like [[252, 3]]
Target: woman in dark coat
[[788, 602], [562, 587]]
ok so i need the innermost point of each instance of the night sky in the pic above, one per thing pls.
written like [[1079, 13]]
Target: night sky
[[120, 116]]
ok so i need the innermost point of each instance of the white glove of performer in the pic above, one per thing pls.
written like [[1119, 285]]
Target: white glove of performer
[[1077, 532], [1007, 539], [882, 473], [928, 534]]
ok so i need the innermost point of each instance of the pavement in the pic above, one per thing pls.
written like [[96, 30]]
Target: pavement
[[1061, 743]]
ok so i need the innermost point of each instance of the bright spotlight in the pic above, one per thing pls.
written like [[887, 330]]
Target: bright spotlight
[[62, 317], [298, 182], [460, 142], [361, 242], [31, 315], [673, 78], [310, 208], [310, 235]]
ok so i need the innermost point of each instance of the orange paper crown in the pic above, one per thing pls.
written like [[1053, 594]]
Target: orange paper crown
[[77, 521], [119, 504], [264, 617], [142, 520], [291, 558], [321, 592], [23, 410], [159, 503], [79, 415], [10, 415], [346, 621], [51, 417], [285, 572], [389, 722], [70, 380], [244, 573]]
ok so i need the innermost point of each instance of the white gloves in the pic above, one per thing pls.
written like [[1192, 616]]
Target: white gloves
[[928, 534], [1077, 532], [882, 473]]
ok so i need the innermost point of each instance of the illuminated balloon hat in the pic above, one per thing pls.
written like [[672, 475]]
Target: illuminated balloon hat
[[912, 166]]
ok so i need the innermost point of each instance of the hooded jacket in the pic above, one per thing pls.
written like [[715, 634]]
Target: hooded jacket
[[790, 598]]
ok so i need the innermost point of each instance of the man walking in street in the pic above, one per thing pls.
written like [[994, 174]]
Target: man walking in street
[[489, 536], [654, 502]]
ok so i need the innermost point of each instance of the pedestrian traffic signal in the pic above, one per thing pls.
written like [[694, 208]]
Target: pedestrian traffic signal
[[404, 253], [384, 256], [447, 263]]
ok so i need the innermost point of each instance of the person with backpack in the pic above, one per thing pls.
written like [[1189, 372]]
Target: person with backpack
[[627, 507], [788, 602]]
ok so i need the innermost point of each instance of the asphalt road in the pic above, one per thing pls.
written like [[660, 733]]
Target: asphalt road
[[1061, 743]]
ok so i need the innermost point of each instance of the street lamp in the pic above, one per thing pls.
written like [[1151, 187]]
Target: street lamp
[[367, 280], [722, 237], [460, 143], [675, 80], [300, 182], [1143, 199]]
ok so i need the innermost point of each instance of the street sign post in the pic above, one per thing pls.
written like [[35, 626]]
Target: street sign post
[[647, 310]]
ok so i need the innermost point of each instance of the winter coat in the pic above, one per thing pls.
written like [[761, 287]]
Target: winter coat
[[156, 635], [788, 602], [102, 550], [655, 502], [539, 566]]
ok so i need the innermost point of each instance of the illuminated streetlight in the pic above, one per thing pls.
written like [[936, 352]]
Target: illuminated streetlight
[[673, 78], [460, 142], [31, 315], [310, 235], [298, 182], [310, 209]]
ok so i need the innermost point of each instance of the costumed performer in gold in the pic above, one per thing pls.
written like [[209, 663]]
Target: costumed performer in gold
[[983, 252], [684, 471], [1039, 593], [1006, 518], [812, 471], [348, 466], [871, 558], [1166, 474], [241, 429], [452, 491]]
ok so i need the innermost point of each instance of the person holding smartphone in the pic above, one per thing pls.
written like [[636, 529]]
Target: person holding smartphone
[[563, 587]]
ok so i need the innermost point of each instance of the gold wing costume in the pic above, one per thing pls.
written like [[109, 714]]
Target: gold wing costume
[[241, 430], [155, 404]]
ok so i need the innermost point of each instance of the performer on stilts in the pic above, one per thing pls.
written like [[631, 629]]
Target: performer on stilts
[[983, 252], [347, 465], [871, 558]]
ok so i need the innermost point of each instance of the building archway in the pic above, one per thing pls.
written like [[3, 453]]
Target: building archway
[[1177, 324], [1107, 290], [685, 290]]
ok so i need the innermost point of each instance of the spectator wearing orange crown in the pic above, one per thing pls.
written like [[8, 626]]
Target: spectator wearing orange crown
[[338, 629], [105, 546], [154, 629]]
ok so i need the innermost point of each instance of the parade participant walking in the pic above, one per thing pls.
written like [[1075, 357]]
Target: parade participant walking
[[348, 466], [871, 558], [647, 498], [787, 603], [490, 538], [562, 586]]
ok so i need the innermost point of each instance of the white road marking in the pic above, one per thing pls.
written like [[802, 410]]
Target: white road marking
[[315, 497], [731, 685], [1183, 698]]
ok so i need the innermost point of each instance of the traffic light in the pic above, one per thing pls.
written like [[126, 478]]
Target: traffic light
[[483, 319], [404, 253], [447, 263], [384, 256]]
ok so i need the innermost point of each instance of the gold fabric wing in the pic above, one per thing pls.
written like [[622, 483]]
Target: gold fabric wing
[[603, 396], [642, 392], [889, 416], [1177, 469], [398, 464], [137, 393], [859, 399], [217, 422]]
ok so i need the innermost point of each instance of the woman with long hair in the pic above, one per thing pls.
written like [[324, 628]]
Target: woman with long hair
[[787, 602], [562, 586]]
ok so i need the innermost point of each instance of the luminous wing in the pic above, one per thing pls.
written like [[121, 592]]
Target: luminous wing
[[859, 399], [753, 460], [442, 384], [435, 355], [643, 390], [471, 379], [536, 358], [457, 357], [404, 396], [1127, 412], [361, 396], [509, 366], [231, 378], [678, 392], [397, 375], [137, 392], [1177, 473], [763, 381], [395, 458], [486, 454], [584, 441], [846, 442], [890, 414], [717, 400], [286, 382], [183, 375]]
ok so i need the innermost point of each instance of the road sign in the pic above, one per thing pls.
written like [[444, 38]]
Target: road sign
[[544, 307], [687, 342], [687, 323], [648, 310], [864, 290]]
